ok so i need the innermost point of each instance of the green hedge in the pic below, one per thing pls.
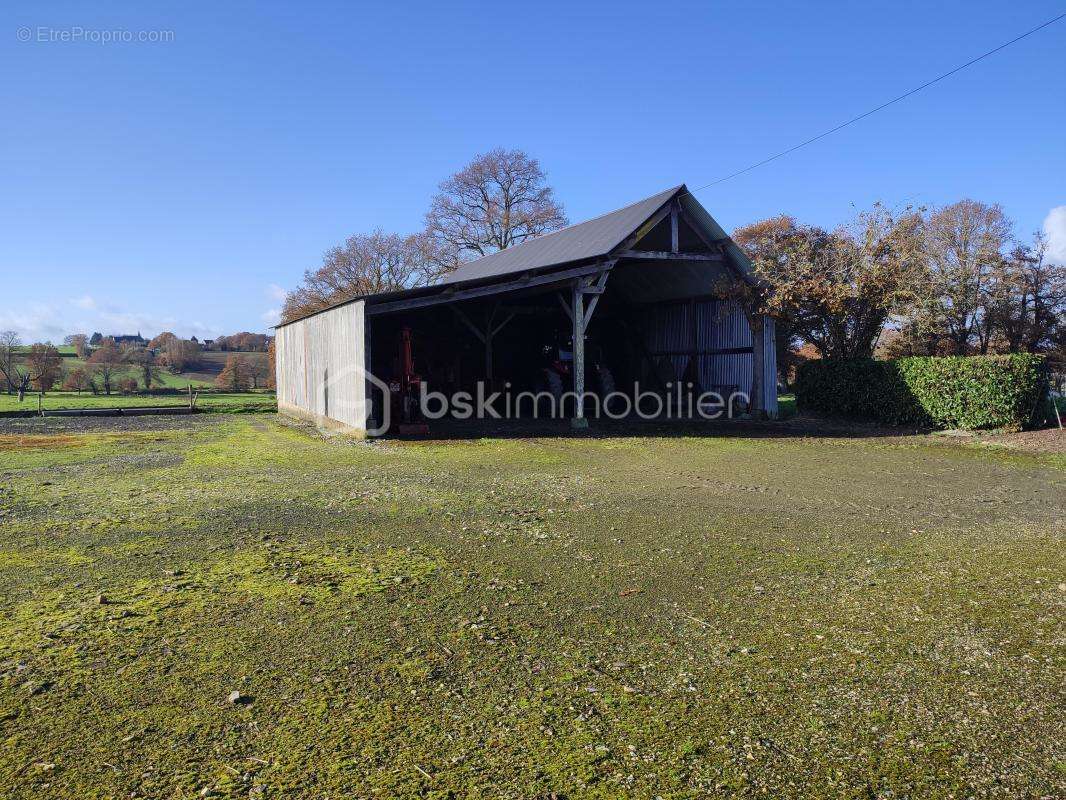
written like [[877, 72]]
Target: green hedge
[[968, 392]]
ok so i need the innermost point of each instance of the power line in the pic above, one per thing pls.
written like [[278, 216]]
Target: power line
[[894, 100]]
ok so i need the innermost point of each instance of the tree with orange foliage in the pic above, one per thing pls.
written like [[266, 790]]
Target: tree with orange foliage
[[160, 342], [236, 375], [837, 288], [77, 380]]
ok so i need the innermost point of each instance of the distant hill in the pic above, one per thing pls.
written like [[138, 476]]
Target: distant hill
[[210, 364]]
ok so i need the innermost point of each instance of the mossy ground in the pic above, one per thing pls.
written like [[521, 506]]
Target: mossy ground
[[612, 617]]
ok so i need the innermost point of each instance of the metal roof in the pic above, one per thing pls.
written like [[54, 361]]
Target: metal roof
[[590, 239], [584, 241]]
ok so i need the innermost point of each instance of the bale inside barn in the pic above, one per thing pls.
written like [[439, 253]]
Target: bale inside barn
[[634, 299]]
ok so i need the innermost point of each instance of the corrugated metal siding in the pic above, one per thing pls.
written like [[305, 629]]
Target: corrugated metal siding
[[320, 365], [718, 325]]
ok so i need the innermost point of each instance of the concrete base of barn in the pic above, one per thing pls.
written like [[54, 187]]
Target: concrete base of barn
[[297, 413]]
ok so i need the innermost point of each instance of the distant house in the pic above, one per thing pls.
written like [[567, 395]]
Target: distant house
[[130, 339]]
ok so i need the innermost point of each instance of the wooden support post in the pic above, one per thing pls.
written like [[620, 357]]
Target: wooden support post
[[595, 289], [565, 303], [577, 314], [756, 406], [485, 336], [370, 421]]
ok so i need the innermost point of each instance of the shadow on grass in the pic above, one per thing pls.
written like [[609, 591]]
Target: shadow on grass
[[792, 428]]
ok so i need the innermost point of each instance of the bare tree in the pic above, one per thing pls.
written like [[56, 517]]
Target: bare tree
[[180, 354], [499, 199], [80, 343], [1027, 303], [259, 370], [145, 361], [364, 264], [45, 365], [10, 347]]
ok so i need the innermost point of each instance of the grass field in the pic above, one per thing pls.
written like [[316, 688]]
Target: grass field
[[529, 618], [204, 374], [213, 400]]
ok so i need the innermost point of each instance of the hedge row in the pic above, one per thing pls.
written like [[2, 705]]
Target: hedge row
[[968, 392]]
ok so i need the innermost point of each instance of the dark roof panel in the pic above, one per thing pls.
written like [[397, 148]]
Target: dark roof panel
[[590, 239]]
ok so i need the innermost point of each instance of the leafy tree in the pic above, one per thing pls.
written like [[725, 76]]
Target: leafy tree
[[835, 290], [106, 361], [77, 380], [767, 242], [127, 385], [243, 342], [499, 199], [963, 246], [272, 361], [160, 342], [235, 376]]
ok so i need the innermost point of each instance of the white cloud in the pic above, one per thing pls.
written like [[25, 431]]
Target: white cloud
[[272, 316], [85, 301], [1055, 230], [37, 323], [43, 322]]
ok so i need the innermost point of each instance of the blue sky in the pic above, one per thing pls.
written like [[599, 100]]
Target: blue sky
[[181, 184]]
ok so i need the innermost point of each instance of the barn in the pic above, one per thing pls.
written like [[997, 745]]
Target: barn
[[630, 301]]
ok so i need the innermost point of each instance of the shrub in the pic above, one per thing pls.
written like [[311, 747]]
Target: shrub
[[969, 392], [128, 385]]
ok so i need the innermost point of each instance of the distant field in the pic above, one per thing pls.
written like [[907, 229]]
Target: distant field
[[204, 375], [250, 401], [211, 364]]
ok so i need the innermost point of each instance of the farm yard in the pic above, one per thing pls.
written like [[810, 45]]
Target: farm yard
[[232, 606]]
